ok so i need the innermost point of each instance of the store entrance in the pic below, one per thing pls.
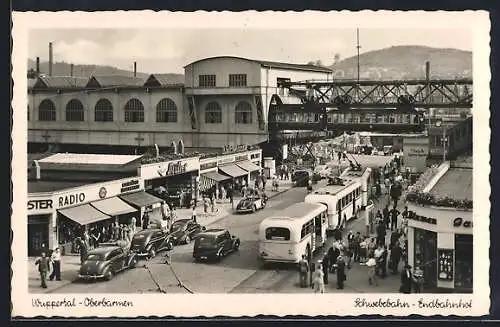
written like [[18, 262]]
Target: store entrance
[[176, 190], [425, 256], [38, 233], [464, 259]]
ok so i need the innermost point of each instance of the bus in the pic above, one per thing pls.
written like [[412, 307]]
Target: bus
[[343, 202], [364, 178], [298, 230]]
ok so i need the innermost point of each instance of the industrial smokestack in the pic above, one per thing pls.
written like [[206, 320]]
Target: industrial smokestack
[[50, 59], [427, 70], [135, 68], [37, 66], [71, 70]]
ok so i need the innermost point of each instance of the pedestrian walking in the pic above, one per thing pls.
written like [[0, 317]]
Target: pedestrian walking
[[193, 213], [371, 264], [341, 274], [303, 271], [43, 264], [386, 217], [378, 255], [56, 265], [83, 248], [383, 265], [318, 282], [205, 205], [406, 280], [145, 220], [325, 263], [394, 258], [394, 218]]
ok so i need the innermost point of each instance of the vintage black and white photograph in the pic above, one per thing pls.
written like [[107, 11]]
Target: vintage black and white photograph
[[327, 160]]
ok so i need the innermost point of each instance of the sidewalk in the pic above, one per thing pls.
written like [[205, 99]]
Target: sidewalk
[[223, 207], [70, 264]]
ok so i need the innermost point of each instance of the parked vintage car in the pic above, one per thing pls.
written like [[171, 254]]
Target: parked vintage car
[[251, 203], [105, 261], [184, 230], [214, 244], [148, 242]]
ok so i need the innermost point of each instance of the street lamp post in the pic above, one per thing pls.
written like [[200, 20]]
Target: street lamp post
[[444, 139]]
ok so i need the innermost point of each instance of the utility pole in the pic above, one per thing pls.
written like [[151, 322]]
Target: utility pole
[[357, 48]]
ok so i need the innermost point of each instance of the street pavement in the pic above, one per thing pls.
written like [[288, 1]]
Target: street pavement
[[240, 272]]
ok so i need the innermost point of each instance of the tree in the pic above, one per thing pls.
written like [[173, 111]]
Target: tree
[[31, 73], [318, 63], [336, 58]]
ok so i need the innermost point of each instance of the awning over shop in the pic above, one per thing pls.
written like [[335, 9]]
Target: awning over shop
[[215, 176], [84, 214], [248, 165], [209, 179], [233, 170], [113, 206], [140, 199]]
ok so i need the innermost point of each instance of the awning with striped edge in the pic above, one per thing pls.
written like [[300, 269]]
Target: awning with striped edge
[[209, 179]]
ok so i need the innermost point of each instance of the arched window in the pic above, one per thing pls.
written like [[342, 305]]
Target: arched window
[[243, 113], [134, 111], [213, 113], [103, 110], [166, 111], [74, 110], [47, 110]]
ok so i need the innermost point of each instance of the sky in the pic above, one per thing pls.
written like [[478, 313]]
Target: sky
[[169, 50]]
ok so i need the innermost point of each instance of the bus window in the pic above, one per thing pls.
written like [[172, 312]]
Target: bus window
[[278, 234], [307, 228], [338, 205]]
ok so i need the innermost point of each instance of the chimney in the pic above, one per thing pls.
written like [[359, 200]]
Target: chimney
[[71, 70], [135, 68], [427, 70], [37, 66], [50, 59]]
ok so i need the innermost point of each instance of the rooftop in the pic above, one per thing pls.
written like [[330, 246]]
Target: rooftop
[[61, 82], [51, 186], [275, 64], [456, 183], [114, 80], [165, 80], [89, 159]]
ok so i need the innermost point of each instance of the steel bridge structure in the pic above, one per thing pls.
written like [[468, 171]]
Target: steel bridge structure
[[330, 108]]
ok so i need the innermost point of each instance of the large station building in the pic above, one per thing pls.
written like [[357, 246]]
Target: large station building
[[222, 101]]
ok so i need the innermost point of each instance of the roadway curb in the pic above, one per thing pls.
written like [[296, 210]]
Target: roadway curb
[[270, 197]]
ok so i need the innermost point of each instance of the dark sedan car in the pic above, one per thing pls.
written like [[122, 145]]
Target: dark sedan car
[[184, 230], [301, 177], [105, 261], [214, 244], [148, 242]]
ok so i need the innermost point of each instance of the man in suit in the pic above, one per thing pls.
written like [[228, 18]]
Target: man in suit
[[406, 280], [341, 276], [43, 264]]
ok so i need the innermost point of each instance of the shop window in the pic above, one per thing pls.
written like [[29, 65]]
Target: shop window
[[74, 110], [47, 111], [166, 111], [206, 80], [464, 255], [243, 113], [134, 111], [213, 113], [425, 252], [237, 80], [103, 110]]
